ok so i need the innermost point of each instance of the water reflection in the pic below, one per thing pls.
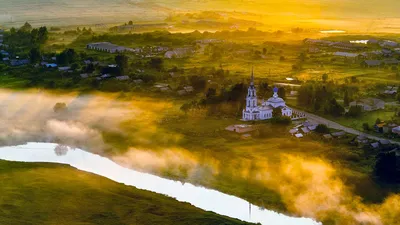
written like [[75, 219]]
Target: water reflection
[[200, 197], [61, 150]]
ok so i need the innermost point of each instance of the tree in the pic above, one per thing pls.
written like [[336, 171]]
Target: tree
[[277, 113], [185, 107], [34, 55], [387, 168], [325, 77], [366, 126], [198, 82], [334, 108], [264, 51], [282, 92], [398, 97], [26, 27], [43, 35], [130, 22], [121, 61], [346, 100], [322, 129], [156, 63], [355, 111], [66, 57], [378, 121], [211, 92], [282, 58]]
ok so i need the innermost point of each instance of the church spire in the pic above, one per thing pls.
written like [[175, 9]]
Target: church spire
[[252, 76]]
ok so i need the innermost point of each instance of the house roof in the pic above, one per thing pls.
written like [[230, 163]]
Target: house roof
[[369, 101], [327, 136], [299, 135], [305, 130], [375, 144], [384, 142], [380, 125], [293, 131], [338, 134], [396, 129], [373, 62], [391, 61], [312, 127], [346, 54]]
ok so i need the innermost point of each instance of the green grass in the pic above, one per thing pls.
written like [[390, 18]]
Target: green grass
[[367, 117], [55, 194]]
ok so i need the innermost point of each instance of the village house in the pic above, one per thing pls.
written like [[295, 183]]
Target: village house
[[379, 127], [361, 139], [339, 134], [179, 53], [369, 104], [388, 43], [122, 78], [317, 42], [64, 68], [240, 128], [4, 53], [372, 41], [346, 46], [138, 81], [391, 90], [391, 61], [162, 87], [327, 136], [396, 130], [49, 65], [375, 145], [346, 54], [107, 47], [313, 50], [19, 62], [372, 63]]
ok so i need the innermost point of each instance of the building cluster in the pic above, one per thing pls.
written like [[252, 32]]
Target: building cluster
[[265, 111], [369, 104], [179, 53], [108, 47], [303, 129]]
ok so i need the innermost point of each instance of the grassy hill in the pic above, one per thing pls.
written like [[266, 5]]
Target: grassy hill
[[56, 194]]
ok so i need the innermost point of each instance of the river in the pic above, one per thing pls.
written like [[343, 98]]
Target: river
[[200, 197]]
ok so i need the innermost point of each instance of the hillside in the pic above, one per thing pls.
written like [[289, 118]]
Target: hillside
[[56, 194]]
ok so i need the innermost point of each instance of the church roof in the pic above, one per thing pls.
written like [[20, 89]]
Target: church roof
[[276, 100], [266, 107]]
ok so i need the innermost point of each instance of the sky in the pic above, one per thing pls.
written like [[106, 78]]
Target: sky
[[321, 12]]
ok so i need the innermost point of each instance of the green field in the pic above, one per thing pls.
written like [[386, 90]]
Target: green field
[[55, 194]]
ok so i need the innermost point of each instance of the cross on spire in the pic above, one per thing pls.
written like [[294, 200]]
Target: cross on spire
[[252, 76]]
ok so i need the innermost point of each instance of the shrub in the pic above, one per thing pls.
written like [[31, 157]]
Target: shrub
[[366, 126], [322, 129], [60, 107], [354, 111]]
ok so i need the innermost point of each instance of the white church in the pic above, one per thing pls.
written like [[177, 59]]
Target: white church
[[264, 111]]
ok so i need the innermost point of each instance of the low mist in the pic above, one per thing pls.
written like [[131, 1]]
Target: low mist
[[309, 187]]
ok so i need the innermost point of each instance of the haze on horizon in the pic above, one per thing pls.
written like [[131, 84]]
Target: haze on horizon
[[329, 14]]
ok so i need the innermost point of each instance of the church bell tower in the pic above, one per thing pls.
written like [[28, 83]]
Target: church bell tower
[[251, 99]]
